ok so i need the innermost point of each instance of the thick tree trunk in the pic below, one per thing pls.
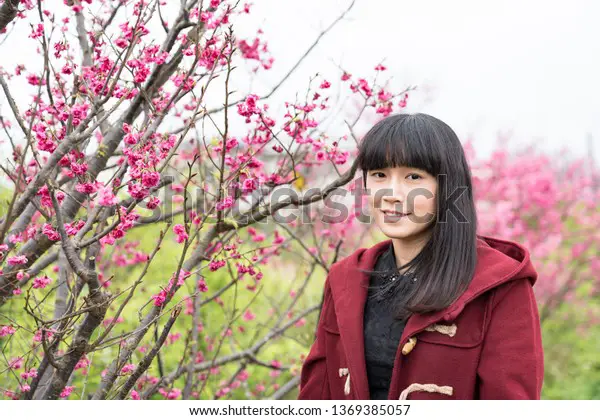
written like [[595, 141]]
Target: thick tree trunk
[[8, 11]]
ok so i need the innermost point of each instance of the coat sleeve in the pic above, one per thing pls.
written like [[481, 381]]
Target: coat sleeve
[[314, 384], [512, 359]]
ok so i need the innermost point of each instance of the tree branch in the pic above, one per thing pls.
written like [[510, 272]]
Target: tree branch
[[8, 11]]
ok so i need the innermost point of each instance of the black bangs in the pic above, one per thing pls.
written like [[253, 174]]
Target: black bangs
[[400, 140]]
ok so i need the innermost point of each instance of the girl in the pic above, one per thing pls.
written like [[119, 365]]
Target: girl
[[436, 311]]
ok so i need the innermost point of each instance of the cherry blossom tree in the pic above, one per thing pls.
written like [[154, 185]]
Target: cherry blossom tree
[[135, 126]]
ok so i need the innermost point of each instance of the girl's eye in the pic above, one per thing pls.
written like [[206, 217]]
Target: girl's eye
[[375, 174], [416, 175]]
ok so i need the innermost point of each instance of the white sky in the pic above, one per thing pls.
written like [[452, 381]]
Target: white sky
[[526, 69]]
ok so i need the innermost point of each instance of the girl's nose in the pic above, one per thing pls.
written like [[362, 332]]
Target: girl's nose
[[392, 196]]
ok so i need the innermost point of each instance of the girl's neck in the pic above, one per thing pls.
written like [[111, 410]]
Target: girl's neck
[[405, 250]]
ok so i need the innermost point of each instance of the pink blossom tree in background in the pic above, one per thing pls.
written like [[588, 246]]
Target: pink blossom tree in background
[[550, 205], [146, 204]]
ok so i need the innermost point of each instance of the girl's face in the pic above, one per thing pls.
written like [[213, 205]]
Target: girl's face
[[403, 190]]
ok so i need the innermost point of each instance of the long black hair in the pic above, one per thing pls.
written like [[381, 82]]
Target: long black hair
[[445, 266]]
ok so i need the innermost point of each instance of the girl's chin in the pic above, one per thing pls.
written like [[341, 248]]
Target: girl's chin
[[395, 231]]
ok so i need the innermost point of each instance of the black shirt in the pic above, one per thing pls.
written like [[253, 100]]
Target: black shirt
[[381, 331]]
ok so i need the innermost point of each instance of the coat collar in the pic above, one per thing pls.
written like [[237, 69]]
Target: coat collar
[[498, 261]]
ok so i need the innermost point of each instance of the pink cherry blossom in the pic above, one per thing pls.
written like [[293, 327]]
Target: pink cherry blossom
[[50, 232], [82, 363], [32, 373], [160, 298], [182, 235], [171, 394], [150, 179], [86, 188], [248, 107], [153, 202], [67, 390], [41, 282], [6, 330], [248, 315], [225, 204], [17, 260], [127, 369], [216, 264], [106, 197]]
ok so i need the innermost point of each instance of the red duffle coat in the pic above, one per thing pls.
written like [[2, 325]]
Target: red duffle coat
[[486, 345]]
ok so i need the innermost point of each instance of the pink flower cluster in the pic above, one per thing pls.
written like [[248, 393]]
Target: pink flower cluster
[[214, 265], [17, 260], [15, 238], [229, 144], [153, 54], [41, 282], [383, 103], [82, 363], [171, 394], [248, 107], [79, 112], [74, 227], [77, 7], [243, 269], [140, 70], [249, 315], [37, 337], [128, 253], [127, 369], [45, 198], [142, 158], [278, 238], [128, 32], [50, 232], [173, 338], [187, 81], [6, 330], [73, 163], [182, 235], [16, 363], [38, 31], [88, 187], [249, 185], [44, 139], [256, 51], [106, 322], [32, 373], [226, 203], [127, 222], [202, 286], [106, 197], [161, 297], [67, 390]]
